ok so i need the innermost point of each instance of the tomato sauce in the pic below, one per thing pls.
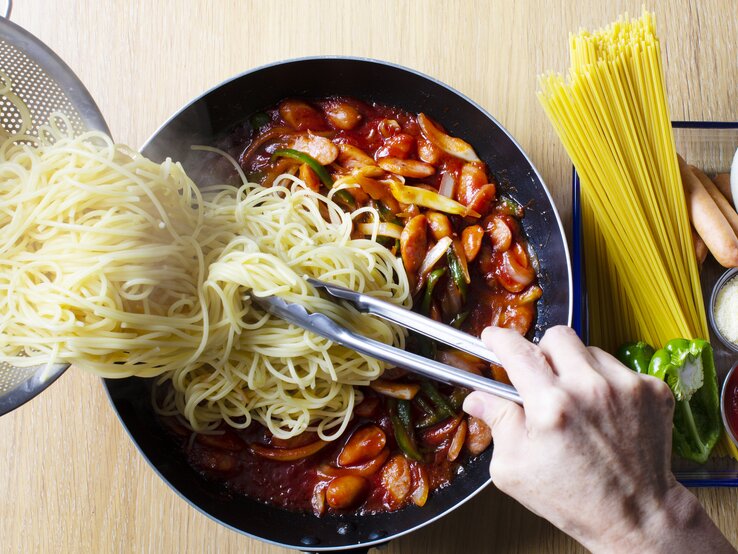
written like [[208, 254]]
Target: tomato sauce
[[226, 459], [380, 146]]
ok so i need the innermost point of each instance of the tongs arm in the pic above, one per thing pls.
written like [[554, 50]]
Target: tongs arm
[[324, 326], [411, 320]]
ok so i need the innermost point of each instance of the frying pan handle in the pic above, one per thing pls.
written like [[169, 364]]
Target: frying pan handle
[[8, 9]]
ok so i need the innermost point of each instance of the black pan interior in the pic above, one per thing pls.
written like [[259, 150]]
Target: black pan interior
[[206, 121]]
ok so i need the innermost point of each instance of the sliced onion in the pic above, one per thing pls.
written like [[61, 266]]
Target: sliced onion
[[434, 255], [530, 295], [516, 276], [402, 391], [447, 186], [428, 199], [457, 442], [451, 145], [287, 454], [461, 360], [420, 494], [318, 499], [383, 229]]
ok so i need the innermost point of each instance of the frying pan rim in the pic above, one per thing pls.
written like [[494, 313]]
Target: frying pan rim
[[557, 217], [559, 225]]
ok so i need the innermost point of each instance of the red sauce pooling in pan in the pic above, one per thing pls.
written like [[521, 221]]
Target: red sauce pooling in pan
[[370, 468]]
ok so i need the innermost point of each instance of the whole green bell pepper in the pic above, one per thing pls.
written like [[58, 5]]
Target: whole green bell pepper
[[636, 355], [688, 368]]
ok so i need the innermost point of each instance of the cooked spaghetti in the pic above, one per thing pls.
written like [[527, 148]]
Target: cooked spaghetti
[[100, 263], [120, 266], [257, 365], [613, 119]]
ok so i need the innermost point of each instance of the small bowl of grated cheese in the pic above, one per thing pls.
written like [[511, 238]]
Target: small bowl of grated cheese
[[724, 308]]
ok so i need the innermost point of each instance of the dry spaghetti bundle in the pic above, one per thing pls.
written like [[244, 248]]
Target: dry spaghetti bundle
[[612, 116]]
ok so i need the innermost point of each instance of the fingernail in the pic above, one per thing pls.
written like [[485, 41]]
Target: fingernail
[[473, 405]]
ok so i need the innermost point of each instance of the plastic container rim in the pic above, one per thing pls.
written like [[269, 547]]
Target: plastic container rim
[[724, 279]]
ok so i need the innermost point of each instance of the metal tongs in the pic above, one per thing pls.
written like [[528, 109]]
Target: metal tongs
[[325, 327]]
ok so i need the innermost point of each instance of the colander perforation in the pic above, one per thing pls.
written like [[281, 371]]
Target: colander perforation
[[46, 85]]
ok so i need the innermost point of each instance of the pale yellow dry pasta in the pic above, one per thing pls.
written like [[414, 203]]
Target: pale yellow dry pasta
[[121, 266], [612, 116]]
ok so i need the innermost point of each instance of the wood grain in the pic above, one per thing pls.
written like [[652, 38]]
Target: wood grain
[[70, 480]]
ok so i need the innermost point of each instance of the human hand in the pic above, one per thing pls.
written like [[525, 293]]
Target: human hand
[[591, 449]]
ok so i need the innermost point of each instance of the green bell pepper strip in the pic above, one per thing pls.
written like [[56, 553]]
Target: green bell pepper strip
[[432, 415], [457, 397], [429, 420], [508, 206], [319, 170], [636, 356], [387, 242], [258, 120], [457, 274], [423, 404], [688, 368], [439, 401], [405, 414], [386, 214], [399, 411], [459, 320], [433, 278]]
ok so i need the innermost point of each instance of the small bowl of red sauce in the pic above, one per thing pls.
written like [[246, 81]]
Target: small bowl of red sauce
[[729, 404]]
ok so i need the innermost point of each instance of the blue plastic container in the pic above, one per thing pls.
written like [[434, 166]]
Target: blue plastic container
[[710, 146]]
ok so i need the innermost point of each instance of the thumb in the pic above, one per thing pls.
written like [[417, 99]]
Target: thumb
[[505, 419]]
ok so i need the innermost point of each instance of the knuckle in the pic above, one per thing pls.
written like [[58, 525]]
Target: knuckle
[[659, 392], [557, 411], [532, 354], [601, 388], [634, 386], [595, 350], [502, 473], [559, 333], [495, 418]]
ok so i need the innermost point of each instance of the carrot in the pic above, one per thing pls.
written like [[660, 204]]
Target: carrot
[[725, 207], [708, 220], [722, 181]]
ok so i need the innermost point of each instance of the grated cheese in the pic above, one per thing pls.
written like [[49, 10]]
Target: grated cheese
[[726, 310]]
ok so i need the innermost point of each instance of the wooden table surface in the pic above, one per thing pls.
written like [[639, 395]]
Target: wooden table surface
[[70, 479]]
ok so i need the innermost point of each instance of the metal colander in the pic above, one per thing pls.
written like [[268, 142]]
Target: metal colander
[[46, 84]]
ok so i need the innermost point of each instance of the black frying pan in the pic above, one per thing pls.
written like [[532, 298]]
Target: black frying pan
[[207, 120]]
